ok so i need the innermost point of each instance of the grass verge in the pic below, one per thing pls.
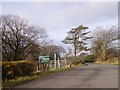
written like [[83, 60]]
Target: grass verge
[[22, 80], [113, 61]]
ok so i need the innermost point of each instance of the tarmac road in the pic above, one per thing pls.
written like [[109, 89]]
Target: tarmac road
[[91, 76]]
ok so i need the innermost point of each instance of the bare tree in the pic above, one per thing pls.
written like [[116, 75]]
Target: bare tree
[[18, 37], [53, 49], [102, 39], [69, 52]]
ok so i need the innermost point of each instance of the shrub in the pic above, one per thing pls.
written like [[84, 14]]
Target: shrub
[[14, 69], [89, 58], [75, 62]]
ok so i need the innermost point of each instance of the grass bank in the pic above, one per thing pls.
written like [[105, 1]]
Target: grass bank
[[22, 80], [114, 61]]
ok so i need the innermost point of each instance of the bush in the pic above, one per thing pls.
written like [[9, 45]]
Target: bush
[[75, 62], [14, 69], [89, 58]]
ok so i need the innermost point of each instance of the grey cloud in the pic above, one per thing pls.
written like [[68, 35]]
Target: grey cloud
[[58, 18], [72, 14]]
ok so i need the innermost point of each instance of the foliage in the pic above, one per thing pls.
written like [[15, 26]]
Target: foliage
[[77, 61], [21, 80], [77, 37], [102, 39], [19, 38], [89, 58], [112, 52], [15, 69], [113, 60], [53, 49]]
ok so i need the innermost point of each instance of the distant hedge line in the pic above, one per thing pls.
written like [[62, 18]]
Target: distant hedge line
[[14, 69]]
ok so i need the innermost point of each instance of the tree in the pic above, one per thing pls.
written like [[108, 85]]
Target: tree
[[77, 37], [0, 46], [69, 52], [18, 37], [111, 52], [103, 37], [53, 49]]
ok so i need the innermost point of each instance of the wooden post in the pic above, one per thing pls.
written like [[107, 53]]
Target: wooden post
[[47, 66], [50, 64], [42, 67], [38, 66], [58, 63], [54, 61], [65, 61]]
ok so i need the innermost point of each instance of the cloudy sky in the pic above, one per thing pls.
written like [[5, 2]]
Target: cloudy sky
[[59, 17]]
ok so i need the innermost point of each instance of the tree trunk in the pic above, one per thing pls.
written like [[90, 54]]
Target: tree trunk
[[74, 52]]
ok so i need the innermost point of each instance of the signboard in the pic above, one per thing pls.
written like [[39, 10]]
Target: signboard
[[44, 59]]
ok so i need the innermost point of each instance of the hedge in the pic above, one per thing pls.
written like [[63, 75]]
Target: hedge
[[89, 58], [15, 69]]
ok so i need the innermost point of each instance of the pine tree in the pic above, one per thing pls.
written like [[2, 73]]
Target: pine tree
[[77, 37]]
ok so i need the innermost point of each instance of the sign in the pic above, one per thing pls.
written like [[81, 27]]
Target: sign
[[44, 59]]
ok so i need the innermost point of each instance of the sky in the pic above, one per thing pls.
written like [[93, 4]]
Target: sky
[[57, 18], [60, 0]]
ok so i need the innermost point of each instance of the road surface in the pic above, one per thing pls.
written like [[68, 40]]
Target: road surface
[[91, 76]]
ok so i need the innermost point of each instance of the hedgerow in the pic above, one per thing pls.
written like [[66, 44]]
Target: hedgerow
[[15, 69]]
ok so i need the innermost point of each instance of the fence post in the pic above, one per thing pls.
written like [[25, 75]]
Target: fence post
[[50, 66], [65, 61], [58, 63], [55, 61]]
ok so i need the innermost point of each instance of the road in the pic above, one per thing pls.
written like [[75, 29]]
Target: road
[[91, 76]]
